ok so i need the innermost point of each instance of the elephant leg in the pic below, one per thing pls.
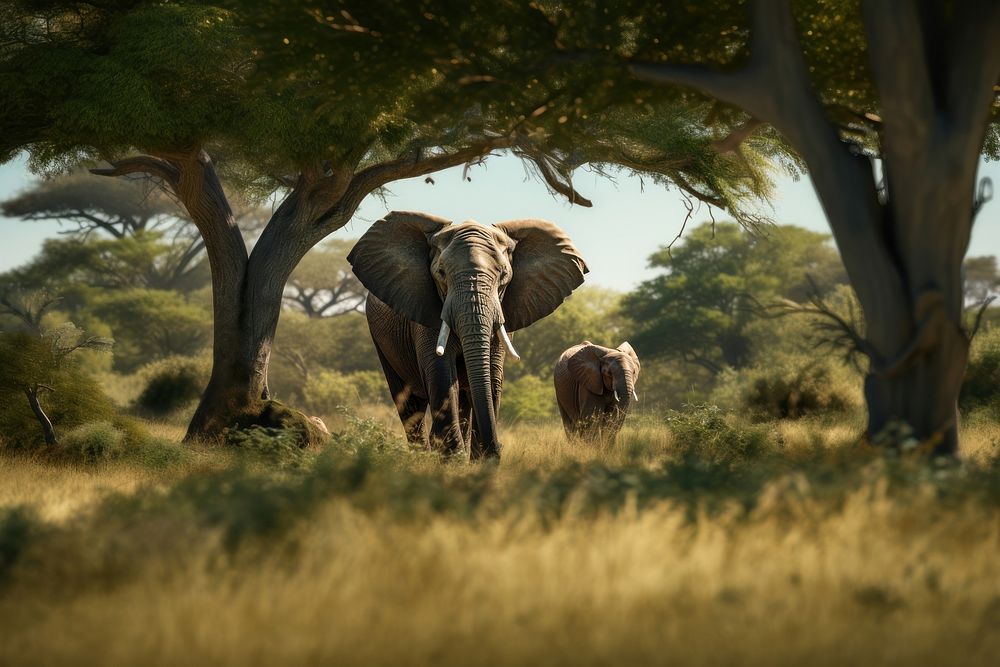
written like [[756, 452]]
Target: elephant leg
[[443, 395], [409, 405], [567, 421], [465, 414]]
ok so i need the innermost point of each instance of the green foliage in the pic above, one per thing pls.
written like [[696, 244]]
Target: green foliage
[[789, 387], [328, 390], [69, 397], [172, 383], [93, 441], [715, 284], [981, 387], [708, 434], [528, 398], [119, 207], [281, 447], [590, 313], [18, 526], [152, 324], [306, 346], [275, 415]]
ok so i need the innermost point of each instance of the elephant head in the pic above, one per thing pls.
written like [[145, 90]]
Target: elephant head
[[600, 369], [476, 280]]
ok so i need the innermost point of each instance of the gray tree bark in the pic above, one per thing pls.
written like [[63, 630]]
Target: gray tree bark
[[247, 289], [903, 252]]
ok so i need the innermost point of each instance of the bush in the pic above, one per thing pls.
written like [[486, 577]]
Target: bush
[[789, 388], [74, 398], [981, 388], [17, 527], [706, 433], [278, 446], [327, 390], [97, 441], [172, 383], [529, 398], [146, 449], [274, 416]]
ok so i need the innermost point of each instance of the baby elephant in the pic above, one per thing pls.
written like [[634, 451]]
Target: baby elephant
[[595, 386]]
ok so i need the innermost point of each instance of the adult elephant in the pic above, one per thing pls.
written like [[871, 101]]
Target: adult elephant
[[595, 387], [428, 277]]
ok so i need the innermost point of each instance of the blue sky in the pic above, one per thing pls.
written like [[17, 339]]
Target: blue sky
[[626, 224]]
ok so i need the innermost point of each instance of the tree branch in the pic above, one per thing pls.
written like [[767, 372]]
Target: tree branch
[[974, 70], [732, 142], [146, 164], [552, 178], [897, 51], [371, 178]]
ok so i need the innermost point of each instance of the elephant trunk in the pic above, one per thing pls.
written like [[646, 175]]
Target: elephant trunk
[[623, 385], [476, 319]]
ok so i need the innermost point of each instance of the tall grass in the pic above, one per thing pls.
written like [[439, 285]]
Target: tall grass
[[695, 539]]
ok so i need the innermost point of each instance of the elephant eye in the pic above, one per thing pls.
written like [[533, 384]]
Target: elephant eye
[[440, 272]]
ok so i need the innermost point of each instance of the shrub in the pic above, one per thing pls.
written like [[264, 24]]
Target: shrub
[[707, 433], [529, 398], [274, 416], [981, 388], [74, 398], [17, 527], [789, 388], [96, 441], [146, 449], [172, 383], [279, 446], [327, 390]]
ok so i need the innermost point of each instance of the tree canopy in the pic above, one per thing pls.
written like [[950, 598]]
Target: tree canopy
[[717, 281]]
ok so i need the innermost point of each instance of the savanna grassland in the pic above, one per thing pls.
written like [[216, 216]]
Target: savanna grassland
[[696, 539]]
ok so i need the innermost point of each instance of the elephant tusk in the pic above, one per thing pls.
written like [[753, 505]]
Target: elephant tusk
[[635, 396], [442, 338], [617, 400], [507, 342]]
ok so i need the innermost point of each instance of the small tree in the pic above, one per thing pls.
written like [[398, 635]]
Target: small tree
[[149, 225], [982, 279], [323, 285], [590, 313], [35, 359]]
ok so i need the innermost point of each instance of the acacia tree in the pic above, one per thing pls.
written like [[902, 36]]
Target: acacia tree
[[126, 98], [934, 68], [888, 106], [982, 280], [321, 118], [118, 208], [717, 282], [135, 212], [323, 285]]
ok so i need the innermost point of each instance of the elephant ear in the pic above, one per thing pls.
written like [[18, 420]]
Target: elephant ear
[[627, 349], [585, 367], [546, 269], [392, 259]]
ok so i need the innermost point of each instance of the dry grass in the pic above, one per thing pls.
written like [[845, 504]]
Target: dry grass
[[870, 574]]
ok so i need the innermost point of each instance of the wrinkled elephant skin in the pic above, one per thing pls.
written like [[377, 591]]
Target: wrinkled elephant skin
[[442, 298], [595, 388]]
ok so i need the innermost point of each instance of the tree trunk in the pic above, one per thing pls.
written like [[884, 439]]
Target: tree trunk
[[248, 297], [47, 429]]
